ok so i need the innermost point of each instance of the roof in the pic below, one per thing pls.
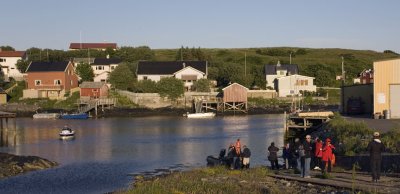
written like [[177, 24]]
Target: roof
[[47, 66], [397, 58], [105, 61], [234, 84], [291, 68], [12, 53], [168, 67], [92, 84], [92, 45]]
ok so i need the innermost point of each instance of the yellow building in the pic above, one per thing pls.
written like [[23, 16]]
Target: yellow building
[[387, 87], [3, 96]]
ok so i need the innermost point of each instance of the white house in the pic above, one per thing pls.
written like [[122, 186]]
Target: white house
[[187, 71], [293, 84], [272, 72], [8, 61], [102, 68]]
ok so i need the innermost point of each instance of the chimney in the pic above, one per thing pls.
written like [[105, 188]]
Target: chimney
[[108, 56], [279, 63], [183, 65]]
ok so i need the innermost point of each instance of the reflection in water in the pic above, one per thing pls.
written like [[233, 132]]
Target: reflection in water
[[111, 148]]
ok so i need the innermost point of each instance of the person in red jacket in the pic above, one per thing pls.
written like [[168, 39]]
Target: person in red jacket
[[327, 155], [318, 154]]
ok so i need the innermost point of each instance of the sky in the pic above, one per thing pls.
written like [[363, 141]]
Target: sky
[[352, 24]]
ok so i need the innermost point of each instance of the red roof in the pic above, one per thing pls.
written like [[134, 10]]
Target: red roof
[[12, 53], [92, 45]]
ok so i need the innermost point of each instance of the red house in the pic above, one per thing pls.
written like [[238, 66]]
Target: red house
[[50, 79], [94, 90]]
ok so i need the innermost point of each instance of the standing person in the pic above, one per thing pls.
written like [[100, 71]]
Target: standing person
[[236, 160], [375, 149], [306, 158], [230, 156], [246, 156], [273, 156], [318, 154], [297, 150], [286, 155], [327, 155]]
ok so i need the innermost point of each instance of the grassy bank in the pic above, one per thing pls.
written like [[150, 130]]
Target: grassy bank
[[220, 180], [352, 137]]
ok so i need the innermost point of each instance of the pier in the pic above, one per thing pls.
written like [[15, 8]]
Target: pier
[[8, 128], [299, 124]]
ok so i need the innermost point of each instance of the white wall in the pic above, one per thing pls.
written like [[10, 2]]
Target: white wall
[[155, 78], [107, 68], [288, 84], [12, 70], [189, 71], [103, 76], [271, 78]]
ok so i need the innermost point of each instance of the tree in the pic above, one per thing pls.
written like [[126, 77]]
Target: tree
[[390, 52], [7, 48], [146, 86], [85, 72], [170, 87], [187, 54], [22, 65], [202, 85], [121, 77]]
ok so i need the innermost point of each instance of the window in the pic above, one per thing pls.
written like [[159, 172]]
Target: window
[[2, 60], [112, 67], [95, 90], [102, 80], [12, 68], [144, 77], [306, 82], [99, 67], [57, 82], [72, 83], [281, 73], [38, 82]]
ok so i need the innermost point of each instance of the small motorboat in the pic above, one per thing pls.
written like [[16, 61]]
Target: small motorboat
[[75, 116], [200, 115], [67, 132]]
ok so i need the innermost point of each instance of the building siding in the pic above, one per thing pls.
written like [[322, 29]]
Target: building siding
[[385, 73], [235, 93]]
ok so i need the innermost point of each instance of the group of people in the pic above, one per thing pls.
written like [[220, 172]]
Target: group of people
[[238, 158], [305, 155]]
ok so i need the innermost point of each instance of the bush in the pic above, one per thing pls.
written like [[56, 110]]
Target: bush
[[352, 137]]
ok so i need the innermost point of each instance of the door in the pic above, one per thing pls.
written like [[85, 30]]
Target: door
[[394, 101]]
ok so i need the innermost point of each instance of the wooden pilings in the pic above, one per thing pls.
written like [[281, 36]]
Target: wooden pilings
[[4, 129]]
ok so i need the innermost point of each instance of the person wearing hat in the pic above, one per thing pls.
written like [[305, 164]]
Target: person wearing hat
[[375, 149], [327, 155]]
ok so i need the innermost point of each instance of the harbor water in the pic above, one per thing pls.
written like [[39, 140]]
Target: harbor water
[[107, 152]]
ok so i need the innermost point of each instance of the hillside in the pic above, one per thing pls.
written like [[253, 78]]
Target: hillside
[[310, 60]]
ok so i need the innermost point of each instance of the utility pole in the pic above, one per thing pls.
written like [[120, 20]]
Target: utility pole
[[343, 83], [245, 63], [290, 57]]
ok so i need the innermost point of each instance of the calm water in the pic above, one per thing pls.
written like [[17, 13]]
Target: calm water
[[106, 151]]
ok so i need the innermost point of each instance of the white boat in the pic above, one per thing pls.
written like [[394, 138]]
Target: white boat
[[200, 115], [46, 116], [66, 133]]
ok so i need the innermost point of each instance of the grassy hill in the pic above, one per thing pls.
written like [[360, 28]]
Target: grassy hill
[[310, 60]]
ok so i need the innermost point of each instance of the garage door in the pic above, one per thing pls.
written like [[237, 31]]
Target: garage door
[[395, 101]]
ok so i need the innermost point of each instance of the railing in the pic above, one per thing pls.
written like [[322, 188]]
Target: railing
[[49, 87], [93, 103]]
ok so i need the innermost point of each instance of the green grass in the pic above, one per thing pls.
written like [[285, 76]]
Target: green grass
[[211, 180]]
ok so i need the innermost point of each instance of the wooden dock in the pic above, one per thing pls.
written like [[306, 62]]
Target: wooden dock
[[299, 124]]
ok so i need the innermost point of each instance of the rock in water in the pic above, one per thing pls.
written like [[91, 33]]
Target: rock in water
[[11, 165]]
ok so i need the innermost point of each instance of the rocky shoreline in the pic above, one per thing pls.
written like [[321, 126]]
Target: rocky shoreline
[[12, 165]]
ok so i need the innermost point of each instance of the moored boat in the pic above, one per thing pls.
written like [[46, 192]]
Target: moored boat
[[200, 115], [75, 116], [46, 115]]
